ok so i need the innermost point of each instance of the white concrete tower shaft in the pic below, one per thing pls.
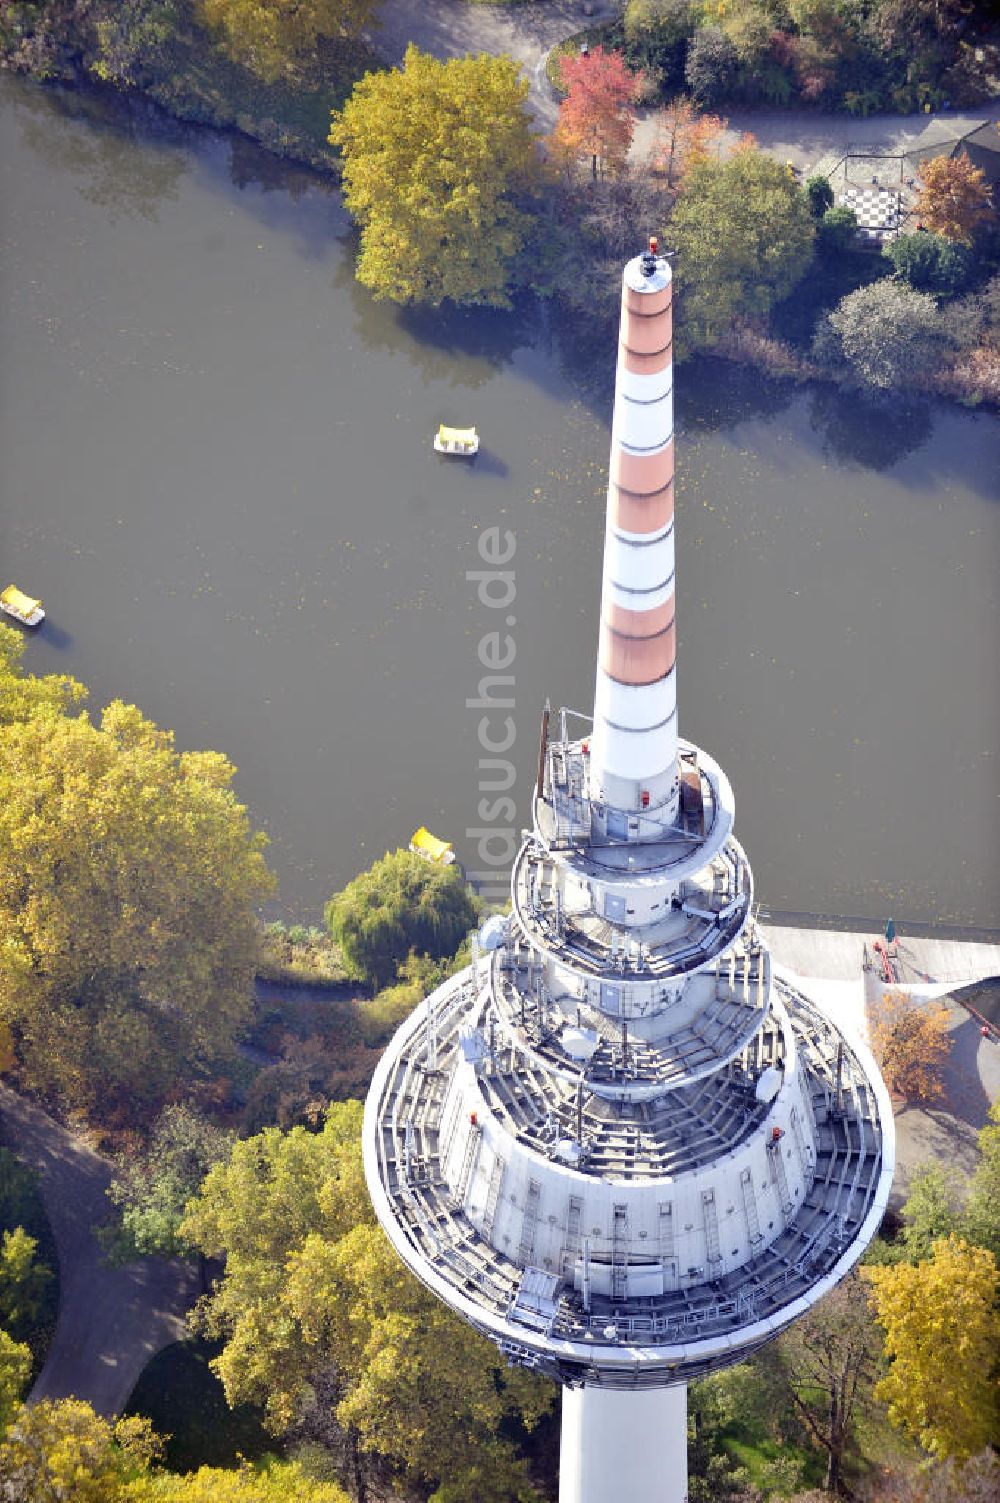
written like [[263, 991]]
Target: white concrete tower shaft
[[634, 744], [620, 1445]]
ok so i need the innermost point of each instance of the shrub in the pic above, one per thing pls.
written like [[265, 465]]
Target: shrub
[[819, 194], [836, 231], [930, 263], [884, 334]]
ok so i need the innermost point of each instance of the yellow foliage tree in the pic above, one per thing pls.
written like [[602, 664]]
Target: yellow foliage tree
[[953, 198], [270, 36], [312, 1287], [62, 1452], [129, 880], [435, 155], [911, 1042], [22, 696], [942, 1334], [270, 1482]]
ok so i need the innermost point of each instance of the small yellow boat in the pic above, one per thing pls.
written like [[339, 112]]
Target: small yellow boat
[[431, 848], [14, 602], [456, 440]]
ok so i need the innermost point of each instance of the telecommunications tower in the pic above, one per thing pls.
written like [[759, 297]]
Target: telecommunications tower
[[619, 1143]]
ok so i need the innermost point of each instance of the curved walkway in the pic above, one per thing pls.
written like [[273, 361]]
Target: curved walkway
[[450, 28], [111, 1320]]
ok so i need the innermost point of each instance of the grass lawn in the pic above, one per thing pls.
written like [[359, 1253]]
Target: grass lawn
[[764, 1458], [185, 1400], [21, 1205]]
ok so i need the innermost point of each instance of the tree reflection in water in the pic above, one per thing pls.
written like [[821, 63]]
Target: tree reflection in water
[[872, 431], [107, 143]]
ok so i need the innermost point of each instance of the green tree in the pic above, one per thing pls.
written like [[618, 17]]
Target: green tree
[[981, 1223], [129, 878], [942, 1336], [711, 66], [930, 1211], [930, 263], [23, 1281], [401, 903], [885, 335], [271, 36], [132, 37], [153, 1186], [656, 36], [744, 238], [313, 1287], [436, 157], [827, 1362]]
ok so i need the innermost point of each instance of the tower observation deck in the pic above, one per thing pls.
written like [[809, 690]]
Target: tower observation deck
[[619, 1144]]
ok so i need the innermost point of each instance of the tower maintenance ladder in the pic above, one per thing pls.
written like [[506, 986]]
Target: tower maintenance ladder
[[619, 1253], [468, 1163], [493, 1193], [778, 1175], [710, 1216], [573, 1218], [526, 1250], [750, 1207]]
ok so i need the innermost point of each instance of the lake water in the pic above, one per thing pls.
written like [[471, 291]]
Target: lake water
[[215, 467]]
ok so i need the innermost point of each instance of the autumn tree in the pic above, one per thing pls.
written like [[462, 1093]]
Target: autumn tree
[[911, 1042], [269, 36], [312, 1289], [62, 1452], [684, 137], [15, 1369], [266, 1482], [974, 1481], [942, 1336], [744, 238], [596, 118], [953, 198], [22, 695], [437, 157], [152, 1187], [129, 879], [402, 903]]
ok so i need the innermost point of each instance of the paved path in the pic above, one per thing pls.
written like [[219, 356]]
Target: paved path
[[829, 964], [450, 28], [111, 1320]]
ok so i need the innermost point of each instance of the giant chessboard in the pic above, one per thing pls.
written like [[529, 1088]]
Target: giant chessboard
[[877, 209]]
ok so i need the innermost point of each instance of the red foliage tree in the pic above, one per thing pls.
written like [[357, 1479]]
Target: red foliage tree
[[596, 117]]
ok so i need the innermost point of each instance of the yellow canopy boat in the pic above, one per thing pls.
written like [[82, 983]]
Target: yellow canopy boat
[[23, 608], [431, 848], [456, 440]]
